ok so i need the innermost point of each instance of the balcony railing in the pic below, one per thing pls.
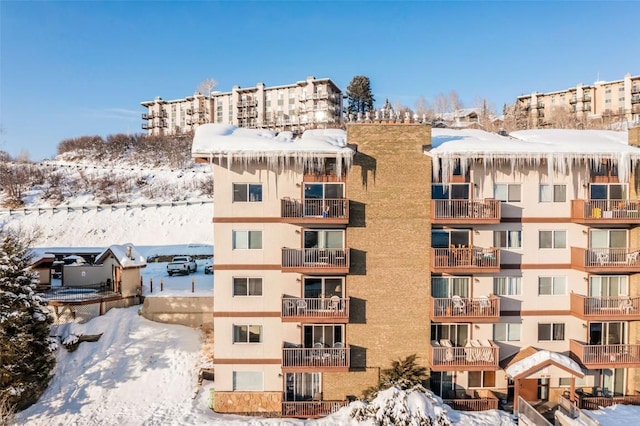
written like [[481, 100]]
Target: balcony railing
[[479, 309], [622, 260], [605, 356], [321, 210], [595, 402], [467, 259], [472, 404], [465, 211], [309, 260], [605, 308], [473, 357], [605, 211], [327, 309], [315, 359], [311, 409]]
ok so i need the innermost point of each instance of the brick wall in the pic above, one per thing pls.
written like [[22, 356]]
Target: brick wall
[[633, 374], [389, 234]]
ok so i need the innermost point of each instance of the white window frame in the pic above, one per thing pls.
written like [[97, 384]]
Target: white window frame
[[508, 196], [249, 327], [249, 233], [248, 284], [554, 243], [549, 195], [553, 330], [247, 192], [511, 286], [510, 328], [249, 381], [556, 281], [510, 241]]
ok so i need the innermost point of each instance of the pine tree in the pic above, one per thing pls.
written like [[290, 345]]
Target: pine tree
[[359, 96], [26, 350], [404, 373]]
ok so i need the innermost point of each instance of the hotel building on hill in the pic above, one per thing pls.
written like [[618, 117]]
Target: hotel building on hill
[[509, 265], [307, 104], [606, 101]]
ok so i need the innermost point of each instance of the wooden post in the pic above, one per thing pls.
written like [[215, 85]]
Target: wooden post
[[161, 285], [516, 394], [193, 284], [150, 285], [572, 389]]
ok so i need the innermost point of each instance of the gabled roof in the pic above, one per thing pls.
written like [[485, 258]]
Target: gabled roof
[[533, 360], [44, 261], [126, 255]]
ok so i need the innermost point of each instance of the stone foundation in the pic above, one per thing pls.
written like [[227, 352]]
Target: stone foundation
[[249, 403]]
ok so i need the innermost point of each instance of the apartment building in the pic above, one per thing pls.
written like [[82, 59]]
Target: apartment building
[[603, 101], [307, 104], [320, 276], [509, 265], [534, 261]]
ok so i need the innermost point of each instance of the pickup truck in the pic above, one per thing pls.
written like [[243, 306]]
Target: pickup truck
[[181, 265]]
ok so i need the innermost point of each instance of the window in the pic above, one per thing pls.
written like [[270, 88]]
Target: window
[[507, 286], [441, 238], [507, 239], [247, 286], [457, 334], [552, 285], [553, 193], [552, 239], [445, 287], [247, 380], [507, 192], [243, 192], [603, 191], [506, 332], [453, 191], [247, 333], [251, 240], [550, 332], [482, 379], [608, 286], [323, 287]]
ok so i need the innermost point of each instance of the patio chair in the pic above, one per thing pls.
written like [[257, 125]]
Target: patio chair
[[632, 258], [301, 307], [458, 304], [602, 257], [484, 304], [338, 353], [334, 303], [289, 307], [625, 305]]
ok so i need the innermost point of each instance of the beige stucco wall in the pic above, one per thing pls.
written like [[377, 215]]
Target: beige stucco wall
[[189, 311], [272, 378]]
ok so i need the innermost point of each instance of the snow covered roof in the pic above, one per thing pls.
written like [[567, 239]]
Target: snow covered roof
[[559, 148], [45, 260], [126, 255], [542, 358], [241, 145]]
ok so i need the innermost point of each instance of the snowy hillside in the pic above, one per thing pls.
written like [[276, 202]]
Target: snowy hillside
[[89, 205]]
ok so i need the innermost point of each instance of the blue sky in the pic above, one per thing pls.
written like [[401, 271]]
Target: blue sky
[[73, 68]]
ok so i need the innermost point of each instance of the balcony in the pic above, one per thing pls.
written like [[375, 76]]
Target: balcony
[[315, 359], [311, 409], [479, 309], [587, 98], [596, 402], [540, 105], [635, 89], [316, 260], [472, 404], [586, 107], [146, 126], [322, 211], [465, 211], [330, 310], [603, 261], [621, 308], [635, 99], [573, 100], [465, 259], [472, 357], [594, 357], [605, 212]]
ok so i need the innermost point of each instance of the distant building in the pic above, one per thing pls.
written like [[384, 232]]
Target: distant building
[[605, 101], [307, 104]]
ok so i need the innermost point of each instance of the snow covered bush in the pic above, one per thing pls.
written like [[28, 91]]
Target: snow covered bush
[[26, 358], [401, 407]]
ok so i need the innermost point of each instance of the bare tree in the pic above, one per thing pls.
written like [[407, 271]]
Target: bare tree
[[422, 107], [440, 105], [207, 86], [454, 101]]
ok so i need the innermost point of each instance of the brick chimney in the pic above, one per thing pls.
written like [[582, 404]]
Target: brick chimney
[[634, 136]]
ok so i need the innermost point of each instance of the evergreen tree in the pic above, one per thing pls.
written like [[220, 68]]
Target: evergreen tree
[[359, 96], [404, 374], [26, 350]]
